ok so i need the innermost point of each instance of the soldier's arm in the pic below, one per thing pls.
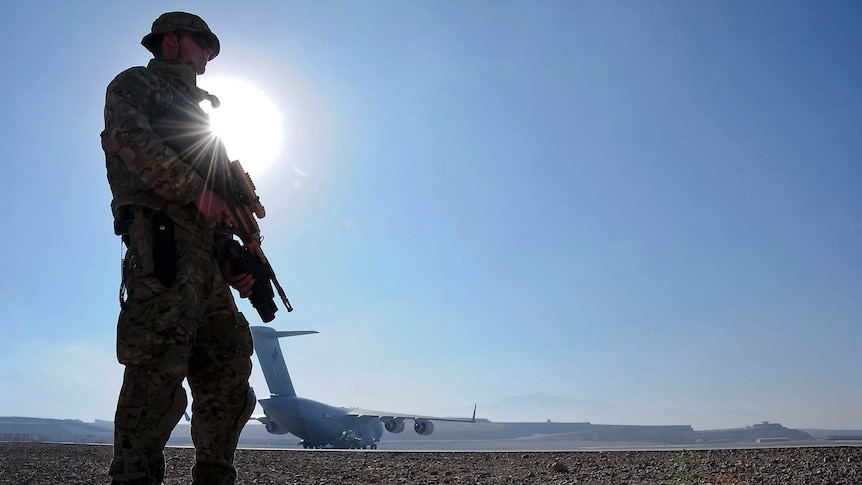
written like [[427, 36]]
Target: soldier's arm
[[130, 137], [214, 208]]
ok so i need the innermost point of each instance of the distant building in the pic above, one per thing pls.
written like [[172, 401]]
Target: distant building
[[772, 440]]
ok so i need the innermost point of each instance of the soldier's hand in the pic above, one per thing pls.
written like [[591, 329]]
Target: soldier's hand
[[213, 207], [240, 282]]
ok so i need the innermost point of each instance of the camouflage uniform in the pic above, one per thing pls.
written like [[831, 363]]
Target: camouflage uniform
[[161, 155]]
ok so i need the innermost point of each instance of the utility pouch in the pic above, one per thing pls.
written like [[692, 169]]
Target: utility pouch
[[123, 223], [164, 249], [121, 226]]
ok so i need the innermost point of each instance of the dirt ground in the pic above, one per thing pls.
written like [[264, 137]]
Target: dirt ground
[[51, 463]]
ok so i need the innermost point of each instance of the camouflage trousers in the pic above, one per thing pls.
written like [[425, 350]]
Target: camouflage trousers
[[191, 330]]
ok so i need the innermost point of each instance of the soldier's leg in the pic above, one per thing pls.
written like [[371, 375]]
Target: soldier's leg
[[153, 343], [151, 403], [223, 401], [154, 351]]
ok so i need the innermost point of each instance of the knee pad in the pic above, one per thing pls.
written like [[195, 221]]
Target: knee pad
[[175, 411], [248, 410]]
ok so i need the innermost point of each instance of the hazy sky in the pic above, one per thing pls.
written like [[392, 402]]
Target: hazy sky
[[651, 210]]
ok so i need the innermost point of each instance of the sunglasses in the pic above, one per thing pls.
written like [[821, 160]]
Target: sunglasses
[[198, 38]]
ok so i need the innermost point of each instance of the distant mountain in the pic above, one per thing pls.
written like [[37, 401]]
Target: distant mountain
[[532, 435], [834, 434], [18, 428], [539, 407], [760, 431]]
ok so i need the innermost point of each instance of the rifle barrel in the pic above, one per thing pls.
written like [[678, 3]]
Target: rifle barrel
[[281, 294]]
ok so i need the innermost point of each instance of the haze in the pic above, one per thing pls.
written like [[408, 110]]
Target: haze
[[648, 211]]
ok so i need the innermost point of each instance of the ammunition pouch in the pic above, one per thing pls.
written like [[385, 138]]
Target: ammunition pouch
[[164, 242]]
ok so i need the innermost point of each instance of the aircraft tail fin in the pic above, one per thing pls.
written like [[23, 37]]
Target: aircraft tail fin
[[272, 360]]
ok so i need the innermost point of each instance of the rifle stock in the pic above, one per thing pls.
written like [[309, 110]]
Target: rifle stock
[[249, 257]]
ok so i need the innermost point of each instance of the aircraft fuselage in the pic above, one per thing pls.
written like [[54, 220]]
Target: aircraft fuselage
[[318, 424]]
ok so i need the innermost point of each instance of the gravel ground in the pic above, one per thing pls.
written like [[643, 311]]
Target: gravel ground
[[50, 463]]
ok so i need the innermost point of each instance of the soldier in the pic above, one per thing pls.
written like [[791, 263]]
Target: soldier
[[178, 319]]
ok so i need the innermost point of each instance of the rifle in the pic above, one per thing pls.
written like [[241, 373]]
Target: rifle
[[248, 257]]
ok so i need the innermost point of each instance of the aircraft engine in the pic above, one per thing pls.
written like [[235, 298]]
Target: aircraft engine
[[274, 428], [423, 427], [394, 425]]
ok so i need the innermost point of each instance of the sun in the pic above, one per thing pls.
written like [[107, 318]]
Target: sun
[[247, 121]]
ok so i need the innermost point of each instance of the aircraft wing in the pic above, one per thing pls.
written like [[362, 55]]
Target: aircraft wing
[[385, 415]]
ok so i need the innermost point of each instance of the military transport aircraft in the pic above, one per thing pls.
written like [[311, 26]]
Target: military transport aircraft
[[320, 425]]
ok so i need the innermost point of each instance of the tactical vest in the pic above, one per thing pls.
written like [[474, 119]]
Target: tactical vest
[[168, 97], [185, 127]]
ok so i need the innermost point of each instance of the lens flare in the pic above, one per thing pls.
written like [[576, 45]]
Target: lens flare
[[247, 121]]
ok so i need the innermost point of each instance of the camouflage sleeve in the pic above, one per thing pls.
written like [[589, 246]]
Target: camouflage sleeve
[[130, 137]]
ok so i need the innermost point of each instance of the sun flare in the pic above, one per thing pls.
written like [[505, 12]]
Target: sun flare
[[247, 121]]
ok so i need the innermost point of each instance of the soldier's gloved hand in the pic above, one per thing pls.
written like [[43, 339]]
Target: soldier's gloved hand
[[213, 207], [240, 282]]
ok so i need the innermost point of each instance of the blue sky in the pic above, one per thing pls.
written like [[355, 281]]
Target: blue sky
[[648, 209]]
